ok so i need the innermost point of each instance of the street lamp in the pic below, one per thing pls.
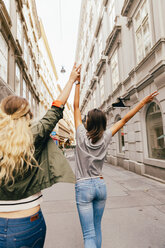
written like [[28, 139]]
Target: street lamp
[[63, 69]]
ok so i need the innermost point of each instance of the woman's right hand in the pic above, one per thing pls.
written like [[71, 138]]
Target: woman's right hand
[[150, 97], [75, 73]]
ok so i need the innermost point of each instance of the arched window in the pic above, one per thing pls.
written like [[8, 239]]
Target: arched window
[[121, 138], [155, 135]]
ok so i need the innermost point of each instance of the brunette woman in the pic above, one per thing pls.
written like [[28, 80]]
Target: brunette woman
[[91, 146]]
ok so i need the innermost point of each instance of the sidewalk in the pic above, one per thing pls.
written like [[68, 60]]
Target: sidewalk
[[134, 216]]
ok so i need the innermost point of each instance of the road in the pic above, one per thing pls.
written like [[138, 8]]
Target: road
[[134, 216]]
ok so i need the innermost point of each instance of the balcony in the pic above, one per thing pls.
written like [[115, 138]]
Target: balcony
[[5, 16], [100, 64], [111, 39], [126, 7]]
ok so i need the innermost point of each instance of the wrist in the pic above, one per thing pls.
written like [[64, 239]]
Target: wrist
[[142, 103], [77, 82], [71, 80]]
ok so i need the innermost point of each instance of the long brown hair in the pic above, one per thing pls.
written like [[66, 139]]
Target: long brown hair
[[96, 124], [16, 140]]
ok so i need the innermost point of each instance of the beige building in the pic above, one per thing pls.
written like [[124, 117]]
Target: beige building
[[26, 64], [121, 47], [19, 52]]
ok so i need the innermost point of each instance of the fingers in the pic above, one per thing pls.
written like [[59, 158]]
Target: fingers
[[78, 68], [155, 93], [74, 66]]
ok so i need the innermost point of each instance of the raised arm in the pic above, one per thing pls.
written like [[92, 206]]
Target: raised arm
[[77, 114], [63, 97], [118, 125], [42, 129]]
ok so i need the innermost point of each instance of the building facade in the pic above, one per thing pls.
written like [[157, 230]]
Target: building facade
[[121, 47], [19, 51], [27, 67]]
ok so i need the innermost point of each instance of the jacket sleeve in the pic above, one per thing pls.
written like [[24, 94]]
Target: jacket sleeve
[[42, 129]]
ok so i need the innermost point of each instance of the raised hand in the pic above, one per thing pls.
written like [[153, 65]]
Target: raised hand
[[79, 71], [150, 97], [75, 73]]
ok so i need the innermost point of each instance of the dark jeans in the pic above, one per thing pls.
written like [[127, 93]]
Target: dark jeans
[[91, 196], [28, 232]]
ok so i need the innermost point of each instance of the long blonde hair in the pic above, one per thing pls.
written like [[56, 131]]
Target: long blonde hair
[[16, 140]]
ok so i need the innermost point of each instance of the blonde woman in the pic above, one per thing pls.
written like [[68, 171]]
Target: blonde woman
[[29, 162]]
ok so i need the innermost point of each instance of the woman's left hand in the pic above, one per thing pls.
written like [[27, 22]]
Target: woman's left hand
[[150, 97]]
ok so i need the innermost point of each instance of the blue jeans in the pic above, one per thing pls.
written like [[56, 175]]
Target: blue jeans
[[91, 196], [28, 232]]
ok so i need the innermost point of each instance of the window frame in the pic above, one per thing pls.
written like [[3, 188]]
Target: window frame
[[111, 14], [24, 91], [5, 56], [149, 148], [7, 5], [120, 146], [116, 82], [140, 27], [17, 80], [102, 89]]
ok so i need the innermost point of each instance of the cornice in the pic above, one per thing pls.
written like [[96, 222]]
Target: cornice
[[126, 7], [93, 81], [111, 39], [4, 14], [100, 64]]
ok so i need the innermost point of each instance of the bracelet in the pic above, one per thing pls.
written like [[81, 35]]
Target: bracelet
[[77, 82]]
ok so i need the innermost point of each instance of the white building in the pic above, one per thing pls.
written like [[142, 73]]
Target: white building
[[121, 46]]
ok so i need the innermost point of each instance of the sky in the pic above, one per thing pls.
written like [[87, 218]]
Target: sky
[[60, 19]]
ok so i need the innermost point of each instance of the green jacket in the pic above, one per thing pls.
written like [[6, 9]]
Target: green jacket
[[54, 167]]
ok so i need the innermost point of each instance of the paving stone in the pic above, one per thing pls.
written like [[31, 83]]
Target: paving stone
[[133, 228], [134, 216]]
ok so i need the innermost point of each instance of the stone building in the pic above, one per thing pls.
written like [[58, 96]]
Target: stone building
[[27, 67], [121, 45], [19, 52]]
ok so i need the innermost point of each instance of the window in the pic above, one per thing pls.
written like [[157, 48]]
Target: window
[[7, 4], [111, 14], [31, 66], [33, 105], [26, 52], [155, 135], [24, 89], [3, 58], [92, 65], [94, 99], [91, 20], [142, 32], [30, 98], [98, 6], [121, 138], [115, 70], [100, 43], [101, 90], [17, 81], [19, 29]]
